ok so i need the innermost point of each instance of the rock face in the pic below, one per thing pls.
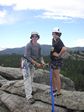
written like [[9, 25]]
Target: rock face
[[12, 97], [43, 77], [10, 73]]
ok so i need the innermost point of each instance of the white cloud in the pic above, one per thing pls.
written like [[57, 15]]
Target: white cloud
[[80, 42], [52, 9], [6, 18], [2, 17], [2, 13], [54, 15]]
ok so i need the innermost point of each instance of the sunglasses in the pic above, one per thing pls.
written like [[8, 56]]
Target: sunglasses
[[55, 33], [34, 36]]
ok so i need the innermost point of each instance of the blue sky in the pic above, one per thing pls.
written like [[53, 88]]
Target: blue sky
[[18, 18]]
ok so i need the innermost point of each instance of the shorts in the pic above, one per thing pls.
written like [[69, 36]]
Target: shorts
[[56, 64]]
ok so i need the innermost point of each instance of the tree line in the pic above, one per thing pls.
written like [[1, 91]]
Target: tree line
[[72, 68]]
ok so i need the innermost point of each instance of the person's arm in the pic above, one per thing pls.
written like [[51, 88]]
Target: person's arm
[[34, 62], [38, 65], [55, 54], [63, 50], [41, 57], [42, 61]]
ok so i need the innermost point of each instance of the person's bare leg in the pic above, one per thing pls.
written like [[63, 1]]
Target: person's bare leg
[[56, 80]]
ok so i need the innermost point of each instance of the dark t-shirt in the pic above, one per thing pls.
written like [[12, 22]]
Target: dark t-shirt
[[56, 47], [58, 44]]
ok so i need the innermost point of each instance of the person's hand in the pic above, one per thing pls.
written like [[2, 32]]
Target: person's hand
[[38, 65], [55, 54], [43, 64]]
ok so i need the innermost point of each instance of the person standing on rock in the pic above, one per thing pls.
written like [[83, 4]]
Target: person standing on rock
[[34, 59], [57, 50]]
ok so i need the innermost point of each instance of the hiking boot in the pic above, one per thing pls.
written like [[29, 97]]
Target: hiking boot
[[58, 94], [54, 92]]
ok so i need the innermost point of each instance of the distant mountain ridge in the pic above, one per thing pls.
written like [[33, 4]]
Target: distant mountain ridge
[[45, 50], [77, 49]]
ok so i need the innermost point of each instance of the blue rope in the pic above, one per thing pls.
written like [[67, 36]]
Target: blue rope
[[51, 87]]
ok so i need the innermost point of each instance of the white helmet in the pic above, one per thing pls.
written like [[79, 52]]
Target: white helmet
[[57, 30], [34, 33]]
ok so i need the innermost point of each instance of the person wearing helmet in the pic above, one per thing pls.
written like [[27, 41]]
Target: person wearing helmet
[[57, 50], [35, 59]]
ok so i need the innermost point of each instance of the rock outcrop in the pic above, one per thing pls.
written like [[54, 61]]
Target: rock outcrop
[[11, 73], [41, 76], [12, 97]]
